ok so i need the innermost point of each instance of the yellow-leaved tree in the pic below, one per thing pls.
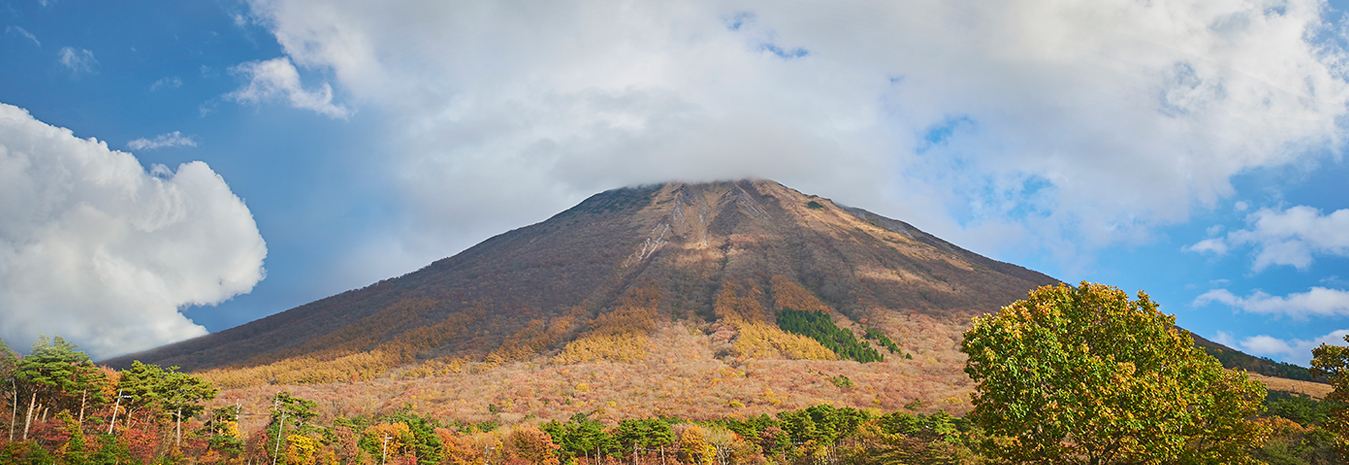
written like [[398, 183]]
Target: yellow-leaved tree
[[1084, 375]]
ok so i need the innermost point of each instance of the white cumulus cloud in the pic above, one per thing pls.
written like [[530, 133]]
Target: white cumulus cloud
[[1290, 237], [1087, 124], [97, 250], [1297, 351], [278, 79], [1319, 301], [172, 139]]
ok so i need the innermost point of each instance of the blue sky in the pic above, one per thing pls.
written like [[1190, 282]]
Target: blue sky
[[1189, 149]]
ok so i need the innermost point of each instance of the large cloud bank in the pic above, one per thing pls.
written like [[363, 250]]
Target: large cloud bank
[[95, 249], [1061, 125]]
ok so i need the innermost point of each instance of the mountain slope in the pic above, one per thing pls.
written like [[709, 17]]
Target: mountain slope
[[625, 260]]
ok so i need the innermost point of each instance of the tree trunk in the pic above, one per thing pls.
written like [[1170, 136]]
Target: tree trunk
[[14, 409], [84, 395], [179, 430], [28, 419]]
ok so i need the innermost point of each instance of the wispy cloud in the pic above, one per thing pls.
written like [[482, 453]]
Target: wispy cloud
[[1319, 301], [21, 32], [79, 61], [1290, 237], [172, 82], [277, 79], [172, 139]]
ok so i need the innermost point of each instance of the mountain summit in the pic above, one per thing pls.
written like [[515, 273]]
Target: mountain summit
[[596, 281]]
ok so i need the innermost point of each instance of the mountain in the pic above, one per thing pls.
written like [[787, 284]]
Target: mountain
[[697, 300], [663, 298], [681, 243]]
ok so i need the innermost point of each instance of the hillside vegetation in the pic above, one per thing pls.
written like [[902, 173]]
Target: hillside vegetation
[[694, 303]]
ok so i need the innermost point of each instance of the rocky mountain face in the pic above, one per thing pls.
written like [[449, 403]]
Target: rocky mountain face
[[723, 258]]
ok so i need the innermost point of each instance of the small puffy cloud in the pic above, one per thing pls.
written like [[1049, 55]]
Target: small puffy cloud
[[79, 61], [1214, 244], [166, 83], [1297, 351], [1319, 301], [97, 250], [1290, 237], [1059, 125], [278, 79], [21, 32], [172, 139]]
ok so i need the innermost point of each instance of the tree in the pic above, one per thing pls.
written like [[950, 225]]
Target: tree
[[141, 387], [8, 362], [579, 437], [1085, 375], [289, 413], [183, 395], [693, 446], [531, 445], [56, 376], [1332, 362], [643, 433], [222, 432], [167, 394]]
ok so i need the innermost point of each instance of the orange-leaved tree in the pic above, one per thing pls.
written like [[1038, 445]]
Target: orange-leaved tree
[[1084, 375]]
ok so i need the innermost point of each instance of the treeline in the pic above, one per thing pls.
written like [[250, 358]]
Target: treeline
[[818, 326], [1232, 359], [77, 413], [67, 411]]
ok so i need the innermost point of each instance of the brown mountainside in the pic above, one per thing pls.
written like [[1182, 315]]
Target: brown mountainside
[[606, 279]]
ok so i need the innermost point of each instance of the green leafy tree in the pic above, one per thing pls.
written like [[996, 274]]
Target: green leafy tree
[[646, 433], [73, 451], [822, 423], [58, 377], [222, 432], [1332, 362], [579, 437], [421, 439], [166, 395], [1086, 375], [290, 416], [141, 388], [184, 396]]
